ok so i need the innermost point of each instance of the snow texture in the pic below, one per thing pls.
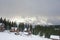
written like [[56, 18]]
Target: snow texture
[[11, 36], [54, 37]]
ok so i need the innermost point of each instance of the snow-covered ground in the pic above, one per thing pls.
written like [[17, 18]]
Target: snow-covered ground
[[54, 37], [11, 36]]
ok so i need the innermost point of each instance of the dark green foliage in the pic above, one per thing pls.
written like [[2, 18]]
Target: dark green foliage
[[21, 26], [30, 27], [47, 30], [14, 24], [41, 34], [47, 35], [7, 23], [36, 30], [1, 20]]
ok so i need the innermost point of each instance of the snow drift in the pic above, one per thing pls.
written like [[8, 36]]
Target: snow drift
[[11, 36]]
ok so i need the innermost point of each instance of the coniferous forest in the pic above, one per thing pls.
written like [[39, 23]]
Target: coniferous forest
[[41, 30]]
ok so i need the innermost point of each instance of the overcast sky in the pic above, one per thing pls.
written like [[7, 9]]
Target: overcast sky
[[49, 8], [29, 7]]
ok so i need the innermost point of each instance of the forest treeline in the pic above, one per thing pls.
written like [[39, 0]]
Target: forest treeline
[[41, 30]]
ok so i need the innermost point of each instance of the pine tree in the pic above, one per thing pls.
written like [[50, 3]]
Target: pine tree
[[1, 20], [4, 21], [21, 26]]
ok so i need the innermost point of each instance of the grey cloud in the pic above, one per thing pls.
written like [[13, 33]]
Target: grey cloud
[[47, 8], [30, 7]]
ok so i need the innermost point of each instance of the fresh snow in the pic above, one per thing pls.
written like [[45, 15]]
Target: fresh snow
[[11, 36], [54, 37]]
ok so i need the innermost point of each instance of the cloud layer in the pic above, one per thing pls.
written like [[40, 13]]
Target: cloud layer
[[42, 20], [48, 8]]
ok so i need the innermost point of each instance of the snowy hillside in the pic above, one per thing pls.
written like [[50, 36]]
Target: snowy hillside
[[11, 36]]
